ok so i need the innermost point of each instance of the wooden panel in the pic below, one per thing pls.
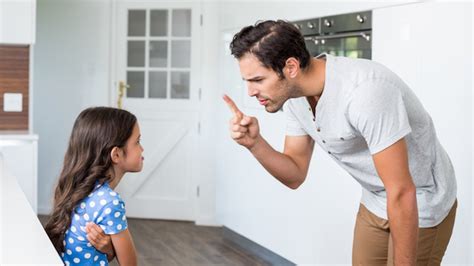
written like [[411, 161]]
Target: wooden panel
[[14, 78]]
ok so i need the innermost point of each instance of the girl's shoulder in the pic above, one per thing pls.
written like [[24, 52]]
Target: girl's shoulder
[[104, 207], [101, 199], [110, 215], [103, 195]]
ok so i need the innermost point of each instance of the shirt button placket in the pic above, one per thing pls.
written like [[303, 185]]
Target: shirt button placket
[[311, 111], [318, 129]]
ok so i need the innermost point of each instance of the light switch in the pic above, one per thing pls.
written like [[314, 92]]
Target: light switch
[[12, 102]]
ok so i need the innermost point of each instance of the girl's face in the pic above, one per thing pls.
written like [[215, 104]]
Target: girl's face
[[133, 160]]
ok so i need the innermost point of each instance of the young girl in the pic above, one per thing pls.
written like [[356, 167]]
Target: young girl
[[104, 145]]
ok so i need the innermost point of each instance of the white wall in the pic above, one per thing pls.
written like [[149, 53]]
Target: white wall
[[312, 225], [71, 73], [472, 142]]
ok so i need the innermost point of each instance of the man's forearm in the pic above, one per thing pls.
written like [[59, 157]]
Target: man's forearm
[[403, 219], [281, 166]]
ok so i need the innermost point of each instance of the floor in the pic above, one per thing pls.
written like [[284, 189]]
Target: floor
[[172, 243]]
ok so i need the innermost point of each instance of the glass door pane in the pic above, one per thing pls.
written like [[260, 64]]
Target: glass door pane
[[180, 85], [181, 54], [158, 22], [136, 81], [136, 22], [158, 53], [181, 26], [158, 63], [158, 84], [136, 54]]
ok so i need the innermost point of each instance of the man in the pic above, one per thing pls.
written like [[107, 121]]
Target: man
[[370, 122]]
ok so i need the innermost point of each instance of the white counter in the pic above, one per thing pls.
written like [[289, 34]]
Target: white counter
[[20, 157], [23, 240]]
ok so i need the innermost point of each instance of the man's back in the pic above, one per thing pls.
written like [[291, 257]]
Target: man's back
[[365, 108]]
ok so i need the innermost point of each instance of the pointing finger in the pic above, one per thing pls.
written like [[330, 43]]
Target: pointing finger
[[233, 107]]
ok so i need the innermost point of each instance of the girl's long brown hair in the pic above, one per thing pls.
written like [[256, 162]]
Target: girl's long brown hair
[[95, 133]]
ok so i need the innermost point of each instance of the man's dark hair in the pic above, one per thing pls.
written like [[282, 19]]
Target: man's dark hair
[[272, 42]]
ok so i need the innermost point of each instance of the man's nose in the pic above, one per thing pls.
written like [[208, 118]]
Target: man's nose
[[251, 91]]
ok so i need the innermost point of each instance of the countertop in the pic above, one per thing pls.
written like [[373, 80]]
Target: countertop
[[22, 237], [17, 135]]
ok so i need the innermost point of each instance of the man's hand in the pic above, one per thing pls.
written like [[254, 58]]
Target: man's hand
[[243, 129], [99, 240]]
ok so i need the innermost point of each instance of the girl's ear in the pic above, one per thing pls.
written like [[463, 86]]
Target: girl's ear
[[115, 154]]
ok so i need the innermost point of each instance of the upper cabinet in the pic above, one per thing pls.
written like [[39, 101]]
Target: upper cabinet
[[17, 21]]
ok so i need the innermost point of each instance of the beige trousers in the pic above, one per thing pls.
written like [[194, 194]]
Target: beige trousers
[[373, 243]]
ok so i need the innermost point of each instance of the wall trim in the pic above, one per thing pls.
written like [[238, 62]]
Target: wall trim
[[207, 221], [251, 247]]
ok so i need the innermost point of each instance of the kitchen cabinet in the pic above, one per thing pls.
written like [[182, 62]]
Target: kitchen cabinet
[[23, 241], [19, 152], [17, 21]]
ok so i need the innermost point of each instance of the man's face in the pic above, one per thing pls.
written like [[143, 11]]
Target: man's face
[[264, 83]]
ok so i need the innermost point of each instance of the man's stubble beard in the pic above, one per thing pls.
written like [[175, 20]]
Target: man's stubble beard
[[290, 92]]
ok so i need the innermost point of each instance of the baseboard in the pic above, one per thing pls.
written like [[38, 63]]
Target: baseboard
[[207, 221], [251, 247]]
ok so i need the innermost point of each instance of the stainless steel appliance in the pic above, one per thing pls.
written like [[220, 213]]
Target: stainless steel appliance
[[347, 35]]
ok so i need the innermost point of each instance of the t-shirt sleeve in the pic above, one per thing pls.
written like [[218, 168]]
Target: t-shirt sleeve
[[112, 217], [378, 112], [293, 126]]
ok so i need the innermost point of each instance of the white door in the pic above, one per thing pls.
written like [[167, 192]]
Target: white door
[[156, 47]]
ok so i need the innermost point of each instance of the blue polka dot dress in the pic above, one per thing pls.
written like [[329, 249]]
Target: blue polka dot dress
[[103, 207]]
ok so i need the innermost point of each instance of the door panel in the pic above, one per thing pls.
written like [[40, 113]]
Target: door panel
[[157, 48]]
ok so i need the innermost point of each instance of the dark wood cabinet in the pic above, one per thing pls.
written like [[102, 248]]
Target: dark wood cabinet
[[14, 78]]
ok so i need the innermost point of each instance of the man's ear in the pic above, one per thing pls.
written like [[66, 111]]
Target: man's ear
[[115, 154], [292, 67]]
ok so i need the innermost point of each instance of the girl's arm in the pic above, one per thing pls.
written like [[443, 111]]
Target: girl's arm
[[124, 248]]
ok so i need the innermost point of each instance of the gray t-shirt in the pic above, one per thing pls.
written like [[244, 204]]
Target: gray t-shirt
[[364, 109]]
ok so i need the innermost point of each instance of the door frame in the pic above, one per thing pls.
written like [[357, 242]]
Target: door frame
[[113, 79]]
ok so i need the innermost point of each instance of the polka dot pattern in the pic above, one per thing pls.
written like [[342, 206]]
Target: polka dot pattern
[[103, 207]]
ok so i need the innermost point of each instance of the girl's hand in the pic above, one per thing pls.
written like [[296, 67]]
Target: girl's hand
[[99, 240]]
